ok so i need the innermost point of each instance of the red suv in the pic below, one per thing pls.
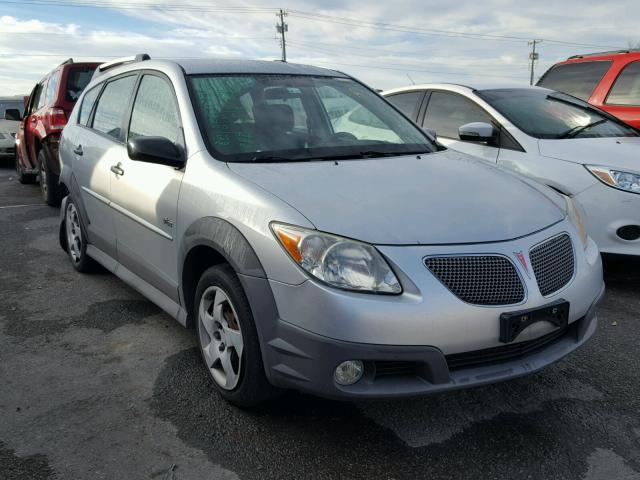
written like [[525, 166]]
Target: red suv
[[609, 80], [46, 113]]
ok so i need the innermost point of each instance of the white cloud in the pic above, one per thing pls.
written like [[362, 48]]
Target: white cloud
[[379, 56]]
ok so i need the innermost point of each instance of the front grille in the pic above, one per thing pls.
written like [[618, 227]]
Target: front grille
[[553, 263], [478, 279], [505, 352]]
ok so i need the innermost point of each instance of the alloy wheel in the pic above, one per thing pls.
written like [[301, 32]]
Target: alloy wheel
[[220, 337], [74, 233]]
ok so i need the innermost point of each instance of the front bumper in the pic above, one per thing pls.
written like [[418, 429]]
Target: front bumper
[[299, 359], [306, 330], [607, 209]]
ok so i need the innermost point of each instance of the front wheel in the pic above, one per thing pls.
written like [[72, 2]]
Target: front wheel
[[23, 178], [228, 339]]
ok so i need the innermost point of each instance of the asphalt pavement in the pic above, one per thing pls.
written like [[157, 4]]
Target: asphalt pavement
[[98, 383]]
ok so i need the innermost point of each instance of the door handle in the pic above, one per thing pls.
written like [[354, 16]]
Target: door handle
[[117, 169], [78, 150], [34, 119]]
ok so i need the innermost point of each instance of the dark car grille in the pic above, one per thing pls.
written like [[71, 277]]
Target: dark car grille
[[553, 263], [394, 368], [506, 352], [477, 279]]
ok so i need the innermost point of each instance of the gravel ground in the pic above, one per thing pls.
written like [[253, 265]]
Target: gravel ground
[[98, 383]]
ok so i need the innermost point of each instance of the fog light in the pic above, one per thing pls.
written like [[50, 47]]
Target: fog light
[[349, 372]]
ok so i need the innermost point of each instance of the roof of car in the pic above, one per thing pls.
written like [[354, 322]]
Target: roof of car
[[454, 87], [628, 53], [203, 66], [222, 65]]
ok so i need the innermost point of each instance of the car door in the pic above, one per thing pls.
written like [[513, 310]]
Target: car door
[[446, 112], [145, 195], [98, 145], [30, 123]]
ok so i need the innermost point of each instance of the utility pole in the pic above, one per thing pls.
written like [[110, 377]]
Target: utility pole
[[533, 56], [281, 28]]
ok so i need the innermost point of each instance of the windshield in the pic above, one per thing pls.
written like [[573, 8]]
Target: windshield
[[9, 105], [294, 118], [547, 114]]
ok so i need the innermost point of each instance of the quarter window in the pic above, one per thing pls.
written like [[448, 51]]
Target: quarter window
[[40, 96], [626, 90], [447, 112], [112, 106], [87, 104], [52, 87], [406, 102], [155, 113], [577, 79]]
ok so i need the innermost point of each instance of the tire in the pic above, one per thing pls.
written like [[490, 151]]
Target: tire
[[23, 178], [76, 240], [49, 186], [224, 323]]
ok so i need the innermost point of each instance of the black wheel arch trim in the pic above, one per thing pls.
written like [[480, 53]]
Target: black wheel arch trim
[[225, 239]]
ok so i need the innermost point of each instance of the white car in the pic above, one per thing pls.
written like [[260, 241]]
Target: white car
[[555, 138]]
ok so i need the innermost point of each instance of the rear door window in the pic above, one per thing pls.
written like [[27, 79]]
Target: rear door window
[[77, 79], [406, 102], [112, 105], [447, 112], [577, 79], [52, 87], [626, 89]]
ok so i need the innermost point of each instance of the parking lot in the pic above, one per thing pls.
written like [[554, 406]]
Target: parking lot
[[99, 383]]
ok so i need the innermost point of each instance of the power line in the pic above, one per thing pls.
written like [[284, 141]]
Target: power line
[[404, 69], [143, 6], [428, 31]]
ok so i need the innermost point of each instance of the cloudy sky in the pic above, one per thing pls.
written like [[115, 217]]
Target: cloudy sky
[[386, 44]]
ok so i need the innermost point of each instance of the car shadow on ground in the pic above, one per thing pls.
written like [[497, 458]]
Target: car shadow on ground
[[622, 271]]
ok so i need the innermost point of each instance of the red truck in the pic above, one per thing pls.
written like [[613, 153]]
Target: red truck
[[46, 114], [608, 80]]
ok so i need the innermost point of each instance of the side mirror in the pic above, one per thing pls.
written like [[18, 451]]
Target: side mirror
[[158, 150], [477, 132], [12, 114]]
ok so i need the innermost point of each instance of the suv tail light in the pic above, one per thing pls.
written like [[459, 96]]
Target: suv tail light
[[56, 119]]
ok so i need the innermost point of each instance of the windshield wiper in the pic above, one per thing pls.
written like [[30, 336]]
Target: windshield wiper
[[368, 154], [277, 158], [572, 132]]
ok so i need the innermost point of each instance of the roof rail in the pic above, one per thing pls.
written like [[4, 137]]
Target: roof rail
[[141, 57], [610, 52]]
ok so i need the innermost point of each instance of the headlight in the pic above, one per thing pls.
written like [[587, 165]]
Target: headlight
[[627, 181], [576, 217], [338, 261]]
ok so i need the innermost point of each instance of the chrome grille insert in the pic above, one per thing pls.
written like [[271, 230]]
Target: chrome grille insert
[[553, 263], [479, 279]]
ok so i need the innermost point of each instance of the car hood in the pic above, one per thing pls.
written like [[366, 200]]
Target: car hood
[[441, 198], [623, 152]]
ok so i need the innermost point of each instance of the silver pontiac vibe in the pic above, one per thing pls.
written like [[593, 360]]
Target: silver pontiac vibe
[[314, 237]]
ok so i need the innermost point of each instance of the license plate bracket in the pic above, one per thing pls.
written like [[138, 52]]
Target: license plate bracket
[[513, 323]]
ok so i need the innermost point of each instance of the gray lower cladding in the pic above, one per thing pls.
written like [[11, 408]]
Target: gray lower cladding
[[298, 359]]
